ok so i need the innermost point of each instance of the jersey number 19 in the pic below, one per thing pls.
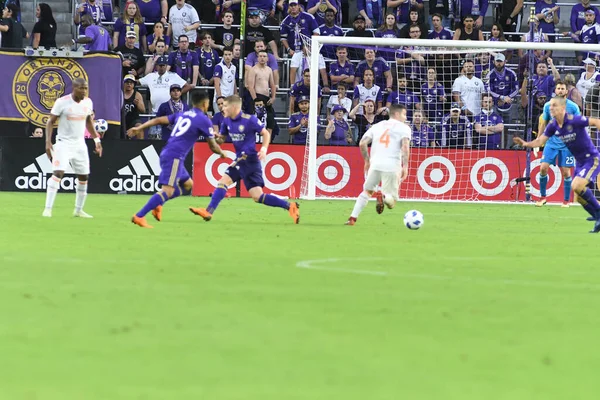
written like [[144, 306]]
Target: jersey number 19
[[181, 127]]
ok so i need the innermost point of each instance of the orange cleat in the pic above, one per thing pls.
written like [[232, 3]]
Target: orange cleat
[[201, 212], [141, 222], [295, 212], [351, 221], [379, 207], [157, 213]]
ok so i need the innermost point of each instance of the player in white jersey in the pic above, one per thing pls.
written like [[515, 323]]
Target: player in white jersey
[[390, 150], [74, 114]]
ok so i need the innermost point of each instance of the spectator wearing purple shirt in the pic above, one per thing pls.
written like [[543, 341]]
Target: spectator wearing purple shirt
[[372, 10], [341, 70], [96, 37], [381, 69], [208, 59], [217, 118], [337, 130], [483, 65], [422, 134], [457, 130], [302, 89], [403, 8], [317, 9], [388, 30], [154, 10], [158, 33], [404, 96], [440, 7], [434, 96], [544, 82], [298, 124], [131, 21], [173, 106], [588, 34], [578, 19], [329, 29], [266, 8], [488, 125], [87, 7], [184, 62], [438, 31], [503, 87], [459, 9], [296, 19], [548, 13]]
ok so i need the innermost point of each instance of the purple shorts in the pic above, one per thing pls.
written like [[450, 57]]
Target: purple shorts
[[250, 172], [588, 168], [172, 171]]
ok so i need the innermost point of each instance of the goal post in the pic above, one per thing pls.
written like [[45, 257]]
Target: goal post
[[515, 177]]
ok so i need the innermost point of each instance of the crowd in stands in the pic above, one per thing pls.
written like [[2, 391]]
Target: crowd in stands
[[459, 100]]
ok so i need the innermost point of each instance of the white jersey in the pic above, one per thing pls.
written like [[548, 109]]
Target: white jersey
[[160, 85], [180, 18], [227, 78], [583, 84], [386, 144], [470, 92], [302, 62], [72, 117]]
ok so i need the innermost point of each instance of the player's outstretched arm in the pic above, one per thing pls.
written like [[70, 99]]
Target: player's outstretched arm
[[215, 148], [89, 124], [539, 142], [153, 122], [364, 150], [594, 122]]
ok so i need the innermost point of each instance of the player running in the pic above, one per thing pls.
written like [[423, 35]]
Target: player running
[[390, 149], [74, 115], [556, 149], [571, 130], [174, 179], [242, 129]]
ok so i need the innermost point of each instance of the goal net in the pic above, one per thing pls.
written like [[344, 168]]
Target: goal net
[[465, 101]]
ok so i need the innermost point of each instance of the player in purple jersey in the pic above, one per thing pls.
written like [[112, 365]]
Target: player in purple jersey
[[571, 130], [175, 181], [243, 128]]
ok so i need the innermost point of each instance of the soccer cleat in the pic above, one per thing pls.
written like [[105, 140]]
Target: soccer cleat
[[565, 204], [596, 226], [47, 213], [351, 221], [541, 202], [81, 214], [201, 212], [141, 222], [379, 207], [590, 218], [157, 213], [295, 212]]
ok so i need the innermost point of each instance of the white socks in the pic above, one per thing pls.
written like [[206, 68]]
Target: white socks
[[80, 194], [389, 200], [361, 203], [51, 191]]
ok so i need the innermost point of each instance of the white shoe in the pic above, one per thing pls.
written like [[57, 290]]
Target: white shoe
[[81, 214], [47, 213]]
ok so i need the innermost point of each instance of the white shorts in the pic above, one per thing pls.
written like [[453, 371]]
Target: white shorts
[[390, 182], [71, 159]]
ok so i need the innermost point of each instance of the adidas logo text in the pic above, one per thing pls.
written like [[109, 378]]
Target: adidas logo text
[[142, 175], [38, 174]]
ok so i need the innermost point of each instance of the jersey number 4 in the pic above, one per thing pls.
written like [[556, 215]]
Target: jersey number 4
[[181, 126], [385, 138]]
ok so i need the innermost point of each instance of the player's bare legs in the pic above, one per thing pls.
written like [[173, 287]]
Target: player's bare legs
[[51, 191], [217, 196], [154, 205]]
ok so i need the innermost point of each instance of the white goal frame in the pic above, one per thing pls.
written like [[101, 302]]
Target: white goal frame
[[318, 41]]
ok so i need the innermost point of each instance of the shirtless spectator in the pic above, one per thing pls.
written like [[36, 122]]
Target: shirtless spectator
[[260, 80]]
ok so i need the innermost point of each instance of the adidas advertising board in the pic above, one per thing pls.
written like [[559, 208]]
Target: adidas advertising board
[[125, 167]]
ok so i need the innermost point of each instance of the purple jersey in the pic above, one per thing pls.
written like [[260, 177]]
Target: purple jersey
[[547, 22], [433, 104], [544, 84], [182, 64], [403, 12], [150, 39], [336, 69], [379, 66], [123, 28], [578, 16], [502, 84], [295, 119], [590, 34], [574, 135], [243, 130], [150, 10], [374, 9], [300, 89], [100, 38], [387, 53], [462, 8], [328, 50], [338, 136], [408, 98], [252, 60], [208, 61], [482, 70], [457, 134], [94, 10], [444, 34], [422, 136], [303, 23], [170, 108], [488, 141], [188, 127], [320, 14]]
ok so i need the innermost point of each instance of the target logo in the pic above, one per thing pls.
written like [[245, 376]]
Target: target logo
[[280, 171], [490, 176], [436, 175], [554, 178], [215, 167], [333, 172]]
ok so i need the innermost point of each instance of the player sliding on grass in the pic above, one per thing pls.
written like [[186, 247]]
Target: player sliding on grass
[[571, 130], [242, 129], [390, 150], [175, 181]]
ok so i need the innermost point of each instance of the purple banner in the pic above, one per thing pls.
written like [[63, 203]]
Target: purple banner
[[37, 82]]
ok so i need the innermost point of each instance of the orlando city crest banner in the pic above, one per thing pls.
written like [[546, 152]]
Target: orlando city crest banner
[[34, 84]]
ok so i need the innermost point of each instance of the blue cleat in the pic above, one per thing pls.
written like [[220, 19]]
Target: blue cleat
[[590, 219], [597, 224]]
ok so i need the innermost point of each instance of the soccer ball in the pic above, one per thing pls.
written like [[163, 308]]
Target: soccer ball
[[413, 219], [101, 125]]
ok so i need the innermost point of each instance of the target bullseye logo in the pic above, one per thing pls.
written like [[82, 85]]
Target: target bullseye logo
[[493, 179], [430, 178], [279, 171], [215, 167], [554, 176], [333, 172]]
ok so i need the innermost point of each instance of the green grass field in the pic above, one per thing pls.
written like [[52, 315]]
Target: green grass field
[[484, 302]]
